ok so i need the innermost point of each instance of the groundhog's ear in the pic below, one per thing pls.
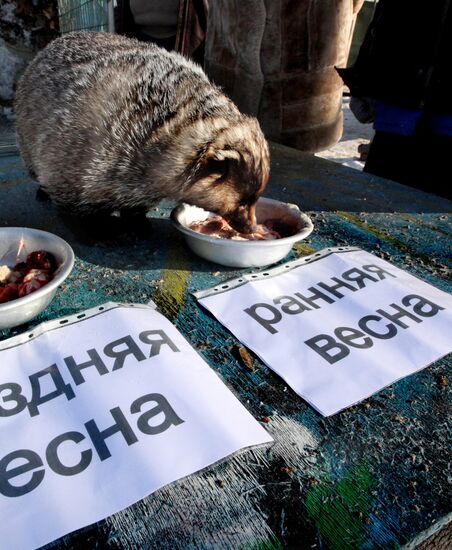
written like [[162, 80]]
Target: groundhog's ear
[[224, 154], [218, 161]]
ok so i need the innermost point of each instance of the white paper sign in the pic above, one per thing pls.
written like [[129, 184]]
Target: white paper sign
[[337, 326], [98, 413]]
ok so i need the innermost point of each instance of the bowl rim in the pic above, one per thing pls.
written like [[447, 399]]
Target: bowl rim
[[51, 285], [305, 231]]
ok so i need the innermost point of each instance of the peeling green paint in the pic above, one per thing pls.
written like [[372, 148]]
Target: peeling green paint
[[270, 544], [340, 509], [379, 233], [422, 223]]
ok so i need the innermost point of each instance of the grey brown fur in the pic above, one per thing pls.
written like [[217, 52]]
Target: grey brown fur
[[107, 123]]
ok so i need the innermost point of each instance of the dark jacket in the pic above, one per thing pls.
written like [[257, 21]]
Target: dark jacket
[[191, 27], [406, 57]]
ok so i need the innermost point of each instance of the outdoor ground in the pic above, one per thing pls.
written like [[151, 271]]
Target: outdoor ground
[[354, 134]]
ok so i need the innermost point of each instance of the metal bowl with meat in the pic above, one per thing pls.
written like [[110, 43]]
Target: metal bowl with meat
[[33, 264], [280, 225]]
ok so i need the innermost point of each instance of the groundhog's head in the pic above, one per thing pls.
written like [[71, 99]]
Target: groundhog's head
[[229, 172]]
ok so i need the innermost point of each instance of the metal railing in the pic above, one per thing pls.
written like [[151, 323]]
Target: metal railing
[[85, 15]]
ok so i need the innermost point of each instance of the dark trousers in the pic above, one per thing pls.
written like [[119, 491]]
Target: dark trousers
[[423, 161]]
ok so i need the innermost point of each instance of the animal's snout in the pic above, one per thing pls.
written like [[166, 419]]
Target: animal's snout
[[243, 219]]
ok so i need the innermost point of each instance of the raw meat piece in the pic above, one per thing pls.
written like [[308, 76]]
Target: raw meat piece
[[216, 226]]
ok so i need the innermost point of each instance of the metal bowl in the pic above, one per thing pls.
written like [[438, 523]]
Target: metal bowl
[[24, 309], [234, 253]]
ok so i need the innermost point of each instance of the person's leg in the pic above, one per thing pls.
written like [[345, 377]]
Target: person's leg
[[166, 43], [391, 156], [420, 161], [438, 166]]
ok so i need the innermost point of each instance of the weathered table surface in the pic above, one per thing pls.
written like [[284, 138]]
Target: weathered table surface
[[373, 476]]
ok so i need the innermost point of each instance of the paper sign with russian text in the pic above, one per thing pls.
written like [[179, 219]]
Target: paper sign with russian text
[[100, 410], [338, 325]]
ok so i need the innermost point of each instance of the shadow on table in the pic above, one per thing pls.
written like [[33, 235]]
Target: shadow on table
[[317, 184], [161, 247], [312, 183]]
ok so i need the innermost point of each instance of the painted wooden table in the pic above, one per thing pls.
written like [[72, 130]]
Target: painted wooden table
[[373, 476]]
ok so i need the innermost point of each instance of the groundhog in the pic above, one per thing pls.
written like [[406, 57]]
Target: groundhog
[[107, 123]]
